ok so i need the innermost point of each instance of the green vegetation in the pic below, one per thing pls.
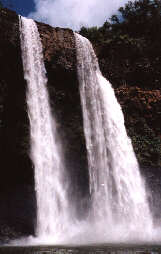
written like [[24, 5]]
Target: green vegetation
[[130, 44], [147, 146]]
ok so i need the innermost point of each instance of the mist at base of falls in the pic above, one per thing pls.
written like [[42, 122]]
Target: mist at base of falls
[[117, 207], [86, 234]]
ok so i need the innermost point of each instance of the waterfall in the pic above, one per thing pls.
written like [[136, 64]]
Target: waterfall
[[50, 184], [117, 189]]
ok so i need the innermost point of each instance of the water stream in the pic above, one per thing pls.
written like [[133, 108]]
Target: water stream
[[118, 196], [50, 184]]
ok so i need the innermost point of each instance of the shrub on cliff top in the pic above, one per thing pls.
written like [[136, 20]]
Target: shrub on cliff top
[[129, 44]]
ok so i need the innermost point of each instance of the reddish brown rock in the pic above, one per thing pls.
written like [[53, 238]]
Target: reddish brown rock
[[143, 121]]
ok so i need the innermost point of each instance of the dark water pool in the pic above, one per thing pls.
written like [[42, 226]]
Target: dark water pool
[[82, 250]]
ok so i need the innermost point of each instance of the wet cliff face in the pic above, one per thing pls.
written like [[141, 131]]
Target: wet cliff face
[[60, 62]]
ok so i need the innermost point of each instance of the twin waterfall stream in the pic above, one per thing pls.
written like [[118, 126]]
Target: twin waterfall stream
[[51, 197], [119, 208]]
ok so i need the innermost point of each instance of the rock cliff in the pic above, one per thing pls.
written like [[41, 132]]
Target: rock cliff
[[16, 174], [140, 103], [17, 195]]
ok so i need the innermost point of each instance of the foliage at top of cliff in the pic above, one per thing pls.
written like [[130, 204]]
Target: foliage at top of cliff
[[128, 45]]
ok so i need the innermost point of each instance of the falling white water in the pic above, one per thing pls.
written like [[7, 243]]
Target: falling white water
[[52, 204], [117, 190]]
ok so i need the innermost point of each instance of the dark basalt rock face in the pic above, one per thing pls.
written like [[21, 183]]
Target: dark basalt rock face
[[16, 171]]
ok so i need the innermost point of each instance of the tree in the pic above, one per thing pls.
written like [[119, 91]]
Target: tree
[[141, 16], [131, 41]]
